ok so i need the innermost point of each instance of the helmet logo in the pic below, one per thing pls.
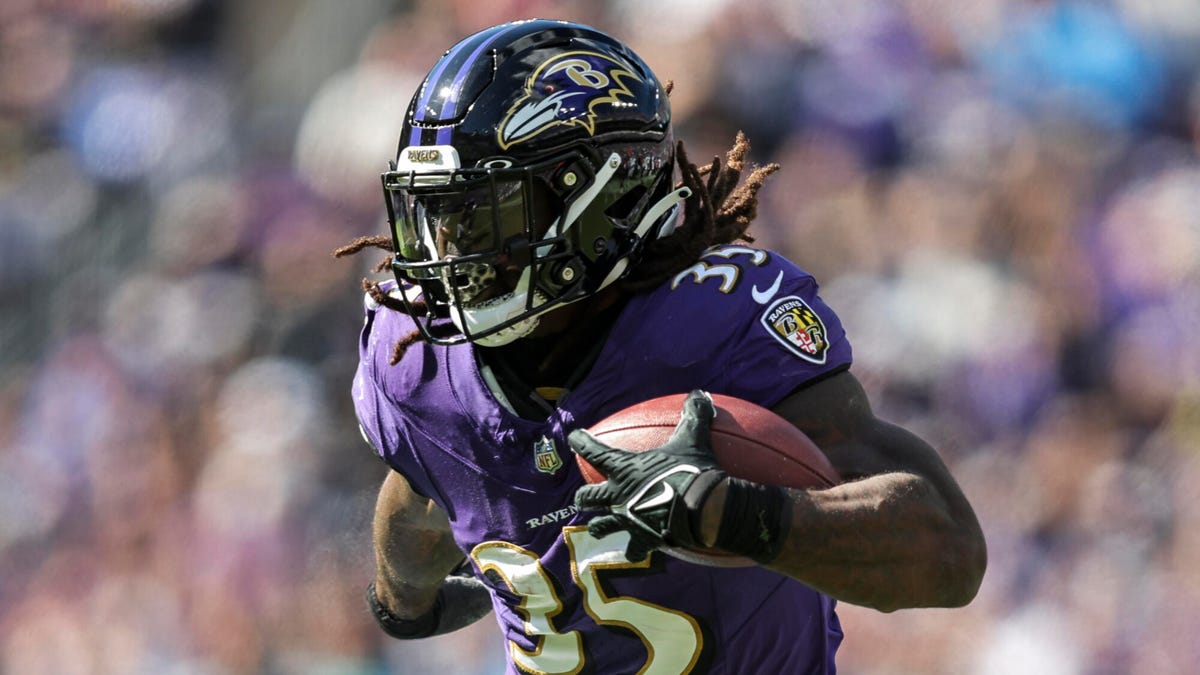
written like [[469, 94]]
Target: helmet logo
[[566, 91]]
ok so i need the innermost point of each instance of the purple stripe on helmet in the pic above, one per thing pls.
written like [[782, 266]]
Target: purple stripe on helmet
[[414, 138], [430, 86], [433, 84], [451, 102]]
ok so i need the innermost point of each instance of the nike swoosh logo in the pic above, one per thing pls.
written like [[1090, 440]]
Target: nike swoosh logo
[[763, 297], [664, 497]]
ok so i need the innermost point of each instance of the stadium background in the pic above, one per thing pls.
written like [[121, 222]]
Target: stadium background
[[1000, 196]]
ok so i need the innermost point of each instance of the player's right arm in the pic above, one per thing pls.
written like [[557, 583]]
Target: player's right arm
[[413, 548], [415, 593]]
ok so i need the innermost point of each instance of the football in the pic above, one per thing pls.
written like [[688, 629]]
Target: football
[[749, 441]]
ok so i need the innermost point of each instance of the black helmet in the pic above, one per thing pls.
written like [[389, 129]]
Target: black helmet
[[535, 159]]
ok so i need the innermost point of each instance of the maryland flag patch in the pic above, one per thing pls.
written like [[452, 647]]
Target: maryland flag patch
[[798, 327]]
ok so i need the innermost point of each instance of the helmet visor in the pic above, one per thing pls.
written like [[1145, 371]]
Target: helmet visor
[[435, 225], [467, 240]]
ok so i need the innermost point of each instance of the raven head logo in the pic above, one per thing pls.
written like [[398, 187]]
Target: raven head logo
[[566, 90]]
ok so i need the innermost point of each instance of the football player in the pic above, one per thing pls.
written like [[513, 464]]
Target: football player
[[551, 270]]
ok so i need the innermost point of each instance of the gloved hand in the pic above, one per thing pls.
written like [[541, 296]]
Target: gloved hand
[[462, 599], [654, 495]]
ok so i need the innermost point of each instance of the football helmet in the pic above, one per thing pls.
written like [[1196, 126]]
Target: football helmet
[[535, 160]]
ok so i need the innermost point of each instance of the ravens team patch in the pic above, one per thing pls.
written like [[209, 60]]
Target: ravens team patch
[[798, 327]]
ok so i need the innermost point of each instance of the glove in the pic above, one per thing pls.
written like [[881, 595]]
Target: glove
[[657, 495], [461, 600]]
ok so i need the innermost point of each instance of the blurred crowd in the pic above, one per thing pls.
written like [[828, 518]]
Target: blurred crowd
[[1000, 197]]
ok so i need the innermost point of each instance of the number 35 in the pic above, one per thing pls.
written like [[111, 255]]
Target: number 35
[[673, 639]]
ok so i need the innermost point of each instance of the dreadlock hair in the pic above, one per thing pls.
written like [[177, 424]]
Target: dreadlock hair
[[381, 297], [719, 211]]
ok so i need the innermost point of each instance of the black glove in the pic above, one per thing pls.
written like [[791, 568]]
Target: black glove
[[461, 600], [654, 495]]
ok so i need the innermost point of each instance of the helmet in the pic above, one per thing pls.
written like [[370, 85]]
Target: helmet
[[535, 160]]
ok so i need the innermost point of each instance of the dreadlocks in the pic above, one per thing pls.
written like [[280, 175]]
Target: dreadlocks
[[719, 211]]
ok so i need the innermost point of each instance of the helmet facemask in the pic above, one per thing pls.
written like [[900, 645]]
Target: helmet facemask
[[494, 248]]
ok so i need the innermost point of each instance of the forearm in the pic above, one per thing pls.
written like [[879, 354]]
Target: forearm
[[408, 587], [890, 541], [414, 551], [899, 532], [415, 593]]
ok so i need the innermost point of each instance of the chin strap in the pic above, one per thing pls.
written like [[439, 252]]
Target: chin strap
[[478, 320]]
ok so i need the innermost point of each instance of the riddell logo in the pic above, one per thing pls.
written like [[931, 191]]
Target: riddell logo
[[420, 156]]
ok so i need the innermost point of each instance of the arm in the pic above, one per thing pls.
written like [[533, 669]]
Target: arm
[[898, 533], [414, 594]]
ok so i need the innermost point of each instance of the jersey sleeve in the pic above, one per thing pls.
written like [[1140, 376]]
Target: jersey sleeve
[[743, 322], [789, 338], [381, 420]]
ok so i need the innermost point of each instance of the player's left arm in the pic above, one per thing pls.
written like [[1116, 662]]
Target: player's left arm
[[898, 533]]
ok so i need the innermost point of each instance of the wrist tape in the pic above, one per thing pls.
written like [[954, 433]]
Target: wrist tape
[[693, 498], [755, 521], [461, 600]]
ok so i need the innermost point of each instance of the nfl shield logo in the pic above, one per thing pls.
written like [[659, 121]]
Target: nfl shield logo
[[545, 456]]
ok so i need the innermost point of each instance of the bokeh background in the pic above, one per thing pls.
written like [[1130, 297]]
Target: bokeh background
[[1001, 198]]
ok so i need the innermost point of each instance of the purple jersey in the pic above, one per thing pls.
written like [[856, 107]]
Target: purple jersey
[[741, 322]]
